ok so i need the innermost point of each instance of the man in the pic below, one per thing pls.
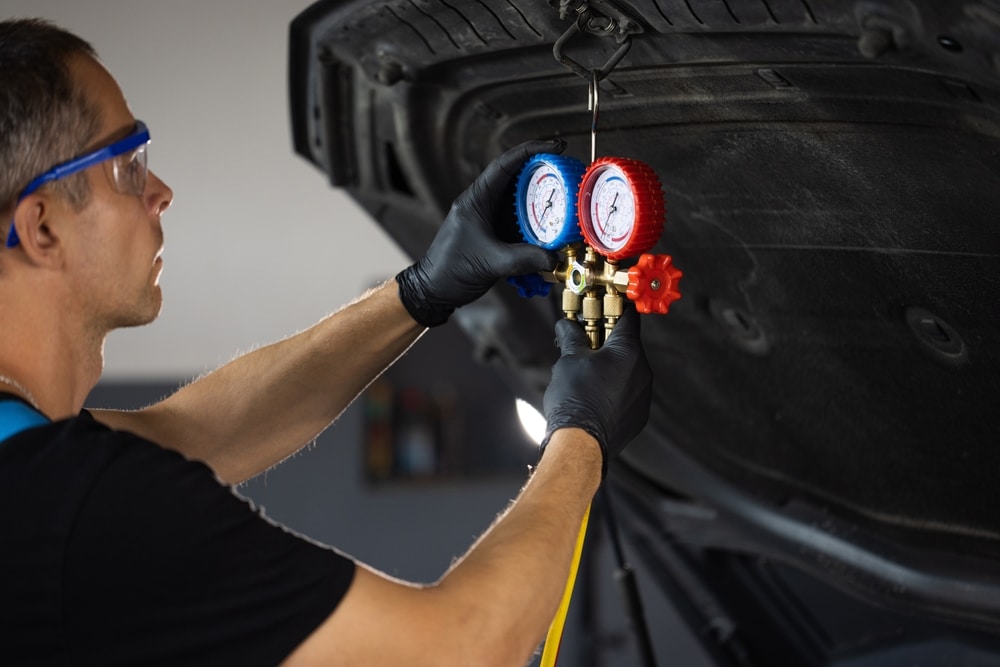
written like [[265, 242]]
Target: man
[[120, 544]]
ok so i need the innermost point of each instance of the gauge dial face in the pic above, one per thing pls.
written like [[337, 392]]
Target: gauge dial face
[[546, 200], [612, 208]]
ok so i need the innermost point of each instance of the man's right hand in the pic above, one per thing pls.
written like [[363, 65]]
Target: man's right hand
[[606, 392]]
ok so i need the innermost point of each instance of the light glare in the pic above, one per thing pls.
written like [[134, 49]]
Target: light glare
[[532, 421]]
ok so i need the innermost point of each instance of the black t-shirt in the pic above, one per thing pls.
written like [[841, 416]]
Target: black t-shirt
[[115, 551]]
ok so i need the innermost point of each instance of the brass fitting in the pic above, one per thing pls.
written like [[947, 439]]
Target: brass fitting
[[593, 314], [593, 291], [572, 304], [573, 277], [614, 304]]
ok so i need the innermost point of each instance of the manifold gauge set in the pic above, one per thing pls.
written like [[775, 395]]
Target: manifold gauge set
[[596, 217]]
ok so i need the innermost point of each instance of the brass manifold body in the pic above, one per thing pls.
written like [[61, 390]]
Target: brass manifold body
[[593, 290]]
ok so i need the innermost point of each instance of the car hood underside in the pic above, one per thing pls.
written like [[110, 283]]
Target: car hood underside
[[832, 180]]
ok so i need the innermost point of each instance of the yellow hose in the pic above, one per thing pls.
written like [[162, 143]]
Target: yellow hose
[[550, 654]]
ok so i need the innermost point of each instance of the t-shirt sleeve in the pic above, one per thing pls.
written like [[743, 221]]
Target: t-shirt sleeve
[[167, 566]]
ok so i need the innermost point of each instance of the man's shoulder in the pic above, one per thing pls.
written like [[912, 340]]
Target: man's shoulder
[[81, 447]]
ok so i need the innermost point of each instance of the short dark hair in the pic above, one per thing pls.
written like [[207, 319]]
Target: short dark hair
[[45, 116]]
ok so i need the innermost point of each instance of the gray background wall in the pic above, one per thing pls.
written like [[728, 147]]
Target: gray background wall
[[257, 245]]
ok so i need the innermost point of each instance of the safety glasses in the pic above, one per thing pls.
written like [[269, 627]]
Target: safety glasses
[[126, 159]]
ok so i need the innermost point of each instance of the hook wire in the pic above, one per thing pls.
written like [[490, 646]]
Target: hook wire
[[593, 105]]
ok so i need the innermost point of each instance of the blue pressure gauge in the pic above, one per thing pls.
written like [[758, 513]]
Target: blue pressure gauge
[[546, 200]]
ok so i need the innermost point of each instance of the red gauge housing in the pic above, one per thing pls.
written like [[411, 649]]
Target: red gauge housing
[[615, 186]]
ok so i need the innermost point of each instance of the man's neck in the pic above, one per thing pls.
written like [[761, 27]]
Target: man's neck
[[50, 361]]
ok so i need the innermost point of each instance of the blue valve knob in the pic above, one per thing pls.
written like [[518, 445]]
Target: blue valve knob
[[530, 285]]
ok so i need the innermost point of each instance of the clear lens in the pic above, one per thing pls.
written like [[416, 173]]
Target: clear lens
[[128, 171]]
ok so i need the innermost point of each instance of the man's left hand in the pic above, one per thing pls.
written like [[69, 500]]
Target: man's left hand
[[467, 257]]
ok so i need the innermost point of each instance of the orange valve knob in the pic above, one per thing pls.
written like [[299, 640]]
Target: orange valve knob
[[652, 284]]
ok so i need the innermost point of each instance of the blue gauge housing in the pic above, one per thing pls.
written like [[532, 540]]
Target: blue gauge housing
[[546, 200]]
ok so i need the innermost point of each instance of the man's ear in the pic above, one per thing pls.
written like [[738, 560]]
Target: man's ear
[[34, 218]]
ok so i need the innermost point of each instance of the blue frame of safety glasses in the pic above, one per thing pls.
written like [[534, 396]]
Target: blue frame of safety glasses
[[138, 137]]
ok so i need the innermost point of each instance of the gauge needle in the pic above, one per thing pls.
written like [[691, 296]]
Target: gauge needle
[[548, 204], [612, 210]]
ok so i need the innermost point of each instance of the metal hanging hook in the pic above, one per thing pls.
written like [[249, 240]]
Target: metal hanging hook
[[589, 23], [593, 104]]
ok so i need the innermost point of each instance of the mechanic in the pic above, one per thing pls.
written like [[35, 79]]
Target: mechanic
[[124, 542]]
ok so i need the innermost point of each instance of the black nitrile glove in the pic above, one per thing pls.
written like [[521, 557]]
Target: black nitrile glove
[[606, 392], [467, 256]]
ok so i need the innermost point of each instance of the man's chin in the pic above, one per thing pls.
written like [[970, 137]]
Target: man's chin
[[144, 314]]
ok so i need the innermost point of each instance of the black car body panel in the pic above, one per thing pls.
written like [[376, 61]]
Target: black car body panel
[[828, 388]]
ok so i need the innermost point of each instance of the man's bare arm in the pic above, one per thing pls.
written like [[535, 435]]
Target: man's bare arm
[[263, 406], [258, 409], [493, 606]]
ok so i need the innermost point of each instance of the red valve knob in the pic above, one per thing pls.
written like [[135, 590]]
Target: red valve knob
[[652, 284]]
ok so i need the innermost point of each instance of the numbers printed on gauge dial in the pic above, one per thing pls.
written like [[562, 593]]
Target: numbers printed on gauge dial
[[546, 204], [612, 209]]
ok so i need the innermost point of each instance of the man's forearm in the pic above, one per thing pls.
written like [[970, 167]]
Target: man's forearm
[[494, 605], [261, 407], [519, 567]]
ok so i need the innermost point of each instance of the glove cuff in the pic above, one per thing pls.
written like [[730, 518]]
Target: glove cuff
[[604, 449], [423, 309]]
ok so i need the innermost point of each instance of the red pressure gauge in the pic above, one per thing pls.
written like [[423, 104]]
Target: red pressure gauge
[[621, 209]]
